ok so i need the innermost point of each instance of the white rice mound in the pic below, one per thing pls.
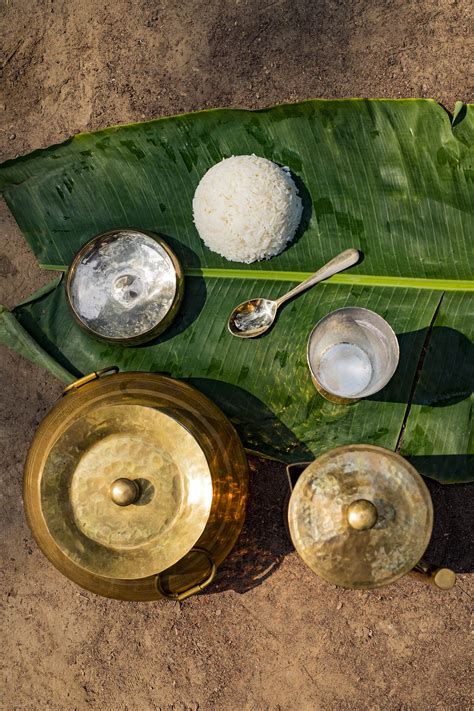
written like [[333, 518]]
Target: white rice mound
[[247, 208]]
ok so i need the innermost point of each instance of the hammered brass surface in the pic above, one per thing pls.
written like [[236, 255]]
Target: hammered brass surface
[[176, 426], [370, 557], [118, 442]]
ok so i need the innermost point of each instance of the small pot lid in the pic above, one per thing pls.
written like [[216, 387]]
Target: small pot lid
[[126, 491], [360, 516], [125, 286]]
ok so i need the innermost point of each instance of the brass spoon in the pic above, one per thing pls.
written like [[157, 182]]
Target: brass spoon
[[254, 317]]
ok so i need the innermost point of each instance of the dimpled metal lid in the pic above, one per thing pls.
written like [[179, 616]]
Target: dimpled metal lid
[[125, 285], [126, 491], [360, 516]]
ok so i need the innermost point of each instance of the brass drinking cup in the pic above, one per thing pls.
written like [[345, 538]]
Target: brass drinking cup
[[352, 353]]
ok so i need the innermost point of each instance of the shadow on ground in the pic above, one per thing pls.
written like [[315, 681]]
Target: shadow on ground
[[452, 540], [263, 543]]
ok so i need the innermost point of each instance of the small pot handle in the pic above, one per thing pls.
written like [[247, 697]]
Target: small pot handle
[[291, 467], [194, 588], [441, 578], [89, 378]]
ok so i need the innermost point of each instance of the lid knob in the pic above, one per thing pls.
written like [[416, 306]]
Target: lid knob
[[362, 515], [124, 492]]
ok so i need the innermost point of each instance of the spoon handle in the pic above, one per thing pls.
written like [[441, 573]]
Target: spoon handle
[[343, 260]]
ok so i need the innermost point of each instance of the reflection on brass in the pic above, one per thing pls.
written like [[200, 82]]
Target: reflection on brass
[[125, 286], [444, 578], [122, 442], [360, 516], [89, 377], [127, 477], [329, 396]]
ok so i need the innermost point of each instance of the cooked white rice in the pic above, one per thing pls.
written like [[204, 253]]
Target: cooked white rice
[[247, 208]]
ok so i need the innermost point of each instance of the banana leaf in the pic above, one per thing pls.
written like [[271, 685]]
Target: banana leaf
[[392, 178]]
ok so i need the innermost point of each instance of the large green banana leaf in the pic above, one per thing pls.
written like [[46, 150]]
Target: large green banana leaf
[[392, 178]]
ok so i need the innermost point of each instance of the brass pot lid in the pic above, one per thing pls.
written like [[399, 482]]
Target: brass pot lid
[[360, 516], [125, 286], [126, 491], [131, 476]]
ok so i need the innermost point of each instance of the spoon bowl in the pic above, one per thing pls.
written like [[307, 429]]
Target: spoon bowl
[[251, 318]]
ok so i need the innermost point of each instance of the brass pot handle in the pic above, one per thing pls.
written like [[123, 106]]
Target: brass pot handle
[[291, 467], [194, 588], [441, 578], [89, 378]]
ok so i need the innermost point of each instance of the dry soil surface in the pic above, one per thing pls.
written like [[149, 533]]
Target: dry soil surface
[[269, 634]]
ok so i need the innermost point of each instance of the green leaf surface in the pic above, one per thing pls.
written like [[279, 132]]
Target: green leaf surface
[[392, 178], [264, 384], [19, 340], [439, 426]]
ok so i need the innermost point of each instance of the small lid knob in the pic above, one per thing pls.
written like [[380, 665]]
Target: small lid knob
[[362, 515], [124, 492]]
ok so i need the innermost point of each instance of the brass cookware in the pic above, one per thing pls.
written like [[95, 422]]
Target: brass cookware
[[125, 286], [352, 353], [360, 516], [135, 486]]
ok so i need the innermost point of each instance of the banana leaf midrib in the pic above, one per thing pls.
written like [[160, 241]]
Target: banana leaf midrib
[[349, 279]]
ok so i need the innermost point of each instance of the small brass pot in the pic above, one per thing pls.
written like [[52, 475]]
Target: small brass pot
[[135, 486], [125, 286], [360, 516]]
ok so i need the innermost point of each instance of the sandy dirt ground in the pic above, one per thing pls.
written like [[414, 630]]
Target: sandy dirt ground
[[269, 635]]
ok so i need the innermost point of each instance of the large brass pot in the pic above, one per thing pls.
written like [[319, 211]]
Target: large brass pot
[[135, 486]]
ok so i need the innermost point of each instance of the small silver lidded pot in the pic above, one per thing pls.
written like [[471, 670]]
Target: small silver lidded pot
[[125, 286], [352, 353]]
